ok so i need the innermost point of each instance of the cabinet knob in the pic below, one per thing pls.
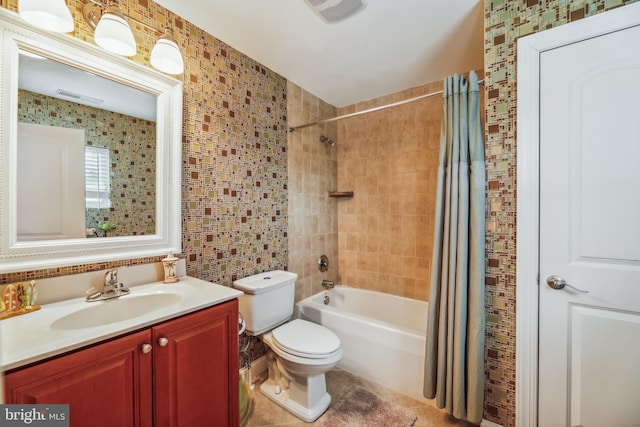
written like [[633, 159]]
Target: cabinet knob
[[146, 348], [163, 341]]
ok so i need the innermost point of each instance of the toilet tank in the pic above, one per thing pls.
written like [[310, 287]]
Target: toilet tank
[[268, 300]]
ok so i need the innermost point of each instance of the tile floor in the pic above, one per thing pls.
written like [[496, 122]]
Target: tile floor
[[339, 382]]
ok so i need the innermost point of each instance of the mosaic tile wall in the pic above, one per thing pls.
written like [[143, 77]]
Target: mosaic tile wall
[[130, 142], [505, 22], [234, 183], [313, 215]]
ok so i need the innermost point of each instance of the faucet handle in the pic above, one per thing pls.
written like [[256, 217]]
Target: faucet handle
[[111, 277], [111, 288], [323, 263]]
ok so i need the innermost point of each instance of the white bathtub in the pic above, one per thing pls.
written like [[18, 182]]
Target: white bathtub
[[383, 335]]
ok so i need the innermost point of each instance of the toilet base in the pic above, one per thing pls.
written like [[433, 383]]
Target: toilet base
[[283, 398]]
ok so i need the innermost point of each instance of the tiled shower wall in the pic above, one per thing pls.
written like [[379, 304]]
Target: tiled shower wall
[[505, 22], [234, 143], [389, 159], [313, 215]]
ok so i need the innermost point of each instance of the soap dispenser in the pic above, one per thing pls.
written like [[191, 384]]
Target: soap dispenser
[[170, 264]]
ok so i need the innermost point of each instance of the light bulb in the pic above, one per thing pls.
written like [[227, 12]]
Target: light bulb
[[114, 34], [50, 15], [166, 56]]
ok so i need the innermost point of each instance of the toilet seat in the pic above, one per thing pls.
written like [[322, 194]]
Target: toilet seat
[[306, 339]]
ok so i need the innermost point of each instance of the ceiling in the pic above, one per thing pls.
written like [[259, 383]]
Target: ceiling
[[389, 46], [52, 78]]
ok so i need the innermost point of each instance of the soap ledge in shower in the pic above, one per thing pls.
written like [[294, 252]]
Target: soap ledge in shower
[[340, 193]]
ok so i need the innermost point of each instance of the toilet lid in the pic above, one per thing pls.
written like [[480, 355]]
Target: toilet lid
[[305, 339]]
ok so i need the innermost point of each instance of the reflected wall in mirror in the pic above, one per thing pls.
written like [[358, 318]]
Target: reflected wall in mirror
[[118, 132], [117, 159]]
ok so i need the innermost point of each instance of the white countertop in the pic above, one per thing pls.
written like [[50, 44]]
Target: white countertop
[[34, 336]]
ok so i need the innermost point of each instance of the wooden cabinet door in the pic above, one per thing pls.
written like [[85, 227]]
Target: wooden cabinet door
[[196, 372], [105, 385]]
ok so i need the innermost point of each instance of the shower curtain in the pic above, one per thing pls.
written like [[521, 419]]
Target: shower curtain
[[454, 358]]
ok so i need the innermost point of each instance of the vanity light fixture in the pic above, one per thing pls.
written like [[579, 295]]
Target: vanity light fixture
[[111, 29], [166, 55], [112, 33], [50, 15]]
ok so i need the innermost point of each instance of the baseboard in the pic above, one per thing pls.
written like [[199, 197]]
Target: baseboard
[[486, 423], [258, 366]]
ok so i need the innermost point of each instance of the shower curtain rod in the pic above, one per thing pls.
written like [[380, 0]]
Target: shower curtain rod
[[370, 110]]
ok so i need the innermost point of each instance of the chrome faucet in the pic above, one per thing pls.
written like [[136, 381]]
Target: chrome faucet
[[327, 283], [111, 288]]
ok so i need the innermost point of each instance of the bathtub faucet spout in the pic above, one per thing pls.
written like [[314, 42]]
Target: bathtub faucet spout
[[327, 283]]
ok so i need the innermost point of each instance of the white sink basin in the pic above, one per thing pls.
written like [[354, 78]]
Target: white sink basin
[[115, 310], [74, 323]]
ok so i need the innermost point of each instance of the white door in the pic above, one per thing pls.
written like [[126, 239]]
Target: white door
[[50, 182], [589, 343]]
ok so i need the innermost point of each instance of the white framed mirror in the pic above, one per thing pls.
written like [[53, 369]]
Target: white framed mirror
[[76, 160]]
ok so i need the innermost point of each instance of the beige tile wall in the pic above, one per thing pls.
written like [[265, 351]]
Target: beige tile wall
[[389, 158], [313, 215]]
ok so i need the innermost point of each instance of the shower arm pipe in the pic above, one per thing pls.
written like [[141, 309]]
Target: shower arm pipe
[[370, 110]]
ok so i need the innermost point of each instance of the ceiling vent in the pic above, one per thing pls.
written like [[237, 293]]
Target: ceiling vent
[[80, 98], [336, 10]]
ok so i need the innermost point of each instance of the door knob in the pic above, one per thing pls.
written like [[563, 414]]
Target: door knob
[[146, 348], [163, 341], [557, 282]]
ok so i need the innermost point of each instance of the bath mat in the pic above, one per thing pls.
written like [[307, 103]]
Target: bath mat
[[360, 407]]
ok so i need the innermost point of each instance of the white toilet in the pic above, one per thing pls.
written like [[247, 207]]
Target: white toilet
[[298, 352]]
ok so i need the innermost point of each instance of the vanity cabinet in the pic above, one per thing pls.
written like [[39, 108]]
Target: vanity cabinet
[[196, 372], [108, 384], [182, 372]]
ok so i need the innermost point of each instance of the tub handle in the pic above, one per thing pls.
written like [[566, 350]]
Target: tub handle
[[323, 263]]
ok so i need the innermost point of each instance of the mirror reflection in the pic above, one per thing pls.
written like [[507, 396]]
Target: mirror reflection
[[86, 154]]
